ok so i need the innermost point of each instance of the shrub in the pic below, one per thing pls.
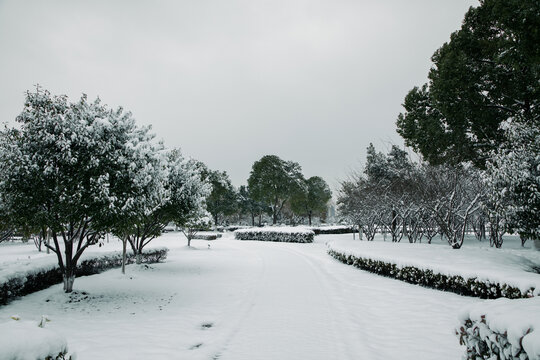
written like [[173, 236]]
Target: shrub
[[503, 329], [327, 230], [206, 236], [279, 234], [38, 279], [484, 289], [31, 340]]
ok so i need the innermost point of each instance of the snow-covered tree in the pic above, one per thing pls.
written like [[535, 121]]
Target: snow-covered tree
[[140, 185], [513, 180], [61, 171]]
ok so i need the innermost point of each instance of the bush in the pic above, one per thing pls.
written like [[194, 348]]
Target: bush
[[279, 234], [428, 278], [42, 278], [30, 340], [206, 236], [503, 329], [327, 230]]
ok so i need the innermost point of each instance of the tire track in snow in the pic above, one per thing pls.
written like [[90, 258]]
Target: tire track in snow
[[291, 312]]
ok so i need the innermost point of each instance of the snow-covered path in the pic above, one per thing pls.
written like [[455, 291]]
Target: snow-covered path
[[248, 300]]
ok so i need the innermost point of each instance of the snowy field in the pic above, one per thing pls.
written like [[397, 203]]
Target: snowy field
[[243, 300]]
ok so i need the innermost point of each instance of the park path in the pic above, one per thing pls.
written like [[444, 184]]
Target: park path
[[306, 305]]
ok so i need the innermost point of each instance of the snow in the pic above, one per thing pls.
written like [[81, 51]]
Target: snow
[[511, 266], [25, 340], [246, 300]]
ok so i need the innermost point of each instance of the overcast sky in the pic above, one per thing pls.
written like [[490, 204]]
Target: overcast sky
[[230, 81]]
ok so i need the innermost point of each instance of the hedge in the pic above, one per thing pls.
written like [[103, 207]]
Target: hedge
[[206, 236], [277, 234], [428, 278], [38, 279], [327, 230], [503, 329]]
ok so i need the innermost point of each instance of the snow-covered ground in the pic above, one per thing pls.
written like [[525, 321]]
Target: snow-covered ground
[[245, 300]]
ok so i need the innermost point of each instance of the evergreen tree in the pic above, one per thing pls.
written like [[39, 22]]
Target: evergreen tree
[[312, 198], [61, 172], [513, 179], [223, 199], [273, 181], [487, 73]]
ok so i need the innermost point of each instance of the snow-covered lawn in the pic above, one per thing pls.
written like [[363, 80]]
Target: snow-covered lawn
[[246, 300]]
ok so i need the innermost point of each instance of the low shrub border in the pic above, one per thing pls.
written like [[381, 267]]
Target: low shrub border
[[278, 234], [38, 279], [327, 230], [206, 236], [454, 283]]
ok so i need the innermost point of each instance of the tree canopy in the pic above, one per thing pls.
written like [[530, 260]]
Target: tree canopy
[[273, 181], [487, 73], [312, 198]]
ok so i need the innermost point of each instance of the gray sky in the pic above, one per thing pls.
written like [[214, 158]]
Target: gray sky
[[230, 81]]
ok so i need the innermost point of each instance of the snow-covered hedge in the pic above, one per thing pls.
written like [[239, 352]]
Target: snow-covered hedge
[[25, 340], [280, 234], [236, 227], [206, 236], [39, 278], [338, 229], [459, 284], [501, 329]]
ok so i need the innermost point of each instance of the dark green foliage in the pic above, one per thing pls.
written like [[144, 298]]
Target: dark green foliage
[[312, 198], [247, 205], [274, 181], [487, 73], [428, 278], [223, 199], [25, 284]]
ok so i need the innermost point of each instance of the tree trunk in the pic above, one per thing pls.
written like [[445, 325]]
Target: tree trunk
[[309, 218], [252, 219], [48, 242], [393, 225], [189, 241], [124, 255], [138, 258], [69, 279], [274, 218]]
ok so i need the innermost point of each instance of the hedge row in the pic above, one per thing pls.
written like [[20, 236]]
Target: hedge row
[[327, 230], [39, 279], [454, 283], [276, 234], [206, 236]]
